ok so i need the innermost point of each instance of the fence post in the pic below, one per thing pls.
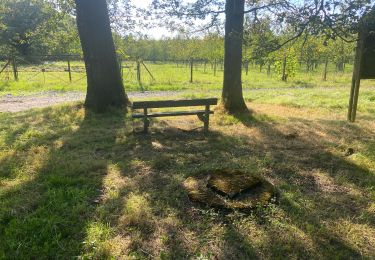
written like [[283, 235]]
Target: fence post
[[325, 70], [356, 81], [139, 71], [15, 71], [191, 70], [69, 71]]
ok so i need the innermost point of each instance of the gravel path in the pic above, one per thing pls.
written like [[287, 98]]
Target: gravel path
[[10, 103]]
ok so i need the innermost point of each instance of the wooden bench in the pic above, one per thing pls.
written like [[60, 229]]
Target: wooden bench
[[203, 115]]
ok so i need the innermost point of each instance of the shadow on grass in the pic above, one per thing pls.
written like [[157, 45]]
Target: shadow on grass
[[100, 192], [153, 212], [49, 181], [298, 163]]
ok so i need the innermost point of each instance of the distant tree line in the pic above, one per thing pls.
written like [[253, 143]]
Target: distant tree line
[[36, 27], [277, 33]]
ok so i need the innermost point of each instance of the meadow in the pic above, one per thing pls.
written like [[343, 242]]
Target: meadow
[[166, 76], [79, 185]]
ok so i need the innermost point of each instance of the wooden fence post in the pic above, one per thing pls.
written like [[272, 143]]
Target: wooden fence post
[[325, 70], [15, 71], [69, 71], [356, 81], [149, 72], [138, 71]]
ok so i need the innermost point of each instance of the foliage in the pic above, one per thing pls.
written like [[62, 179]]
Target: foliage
[[35, 27], [287, 57], [259, 39]]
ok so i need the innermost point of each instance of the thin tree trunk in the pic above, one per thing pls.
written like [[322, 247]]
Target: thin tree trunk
[[104, 85], [284, 77], [247, 67], [232, 97]]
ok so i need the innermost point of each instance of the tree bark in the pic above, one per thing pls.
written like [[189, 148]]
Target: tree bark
[[232, 97], [104, 84]]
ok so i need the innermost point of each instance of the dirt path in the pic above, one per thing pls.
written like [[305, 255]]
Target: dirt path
[[10, 103]]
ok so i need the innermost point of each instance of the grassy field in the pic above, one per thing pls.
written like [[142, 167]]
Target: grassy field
[[79, 185], [167, 76]]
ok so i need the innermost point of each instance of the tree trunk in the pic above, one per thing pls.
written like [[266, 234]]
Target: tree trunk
[[284, 76], [104, 85], [232, 98]]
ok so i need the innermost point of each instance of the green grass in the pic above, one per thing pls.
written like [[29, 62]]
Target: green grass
[[75, 184], [167, 77]]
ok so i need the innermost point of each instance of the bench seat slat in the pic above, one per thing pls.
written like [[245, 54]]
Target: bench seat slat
[[174, 103], [174, 113]]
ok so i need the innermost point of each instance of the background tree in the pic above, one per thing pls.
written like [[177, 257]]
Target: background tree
[[315, 17], [286, 62], [36, 27], [232, 97], [104, 84], [213, 49], [259, 40]]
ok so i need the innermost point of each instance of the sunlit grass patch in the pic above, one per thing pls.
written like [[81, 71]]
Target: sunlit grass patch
[[168, 76], [76, 184]]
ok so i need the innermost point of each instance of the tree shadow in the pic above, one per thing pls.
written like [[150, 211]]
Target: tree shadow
[[166, 223], [289, 160], [327, 187], [46, 210], [120, 194]]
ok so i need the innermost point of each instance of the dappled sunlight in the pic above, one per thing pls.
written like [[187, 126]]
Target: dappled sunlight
[[113, 183], [160, 153], [121, 194], [32, 163], [360, 236], [56, 181]]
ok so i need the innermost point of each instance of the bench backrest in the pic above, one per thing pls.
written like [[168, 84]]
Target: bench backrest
[[174, 103]]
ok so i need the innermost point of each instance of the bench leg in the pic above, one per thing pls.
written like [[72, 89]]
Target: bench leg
[[146, 121], [206, 118]]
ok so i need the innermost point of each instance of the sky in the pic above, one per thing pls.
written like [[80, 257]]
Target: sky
[[155, 33], [158, 32]]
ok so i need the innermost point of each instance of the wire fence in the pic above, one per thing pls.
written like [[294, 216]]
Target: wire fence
[[69, 71]]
